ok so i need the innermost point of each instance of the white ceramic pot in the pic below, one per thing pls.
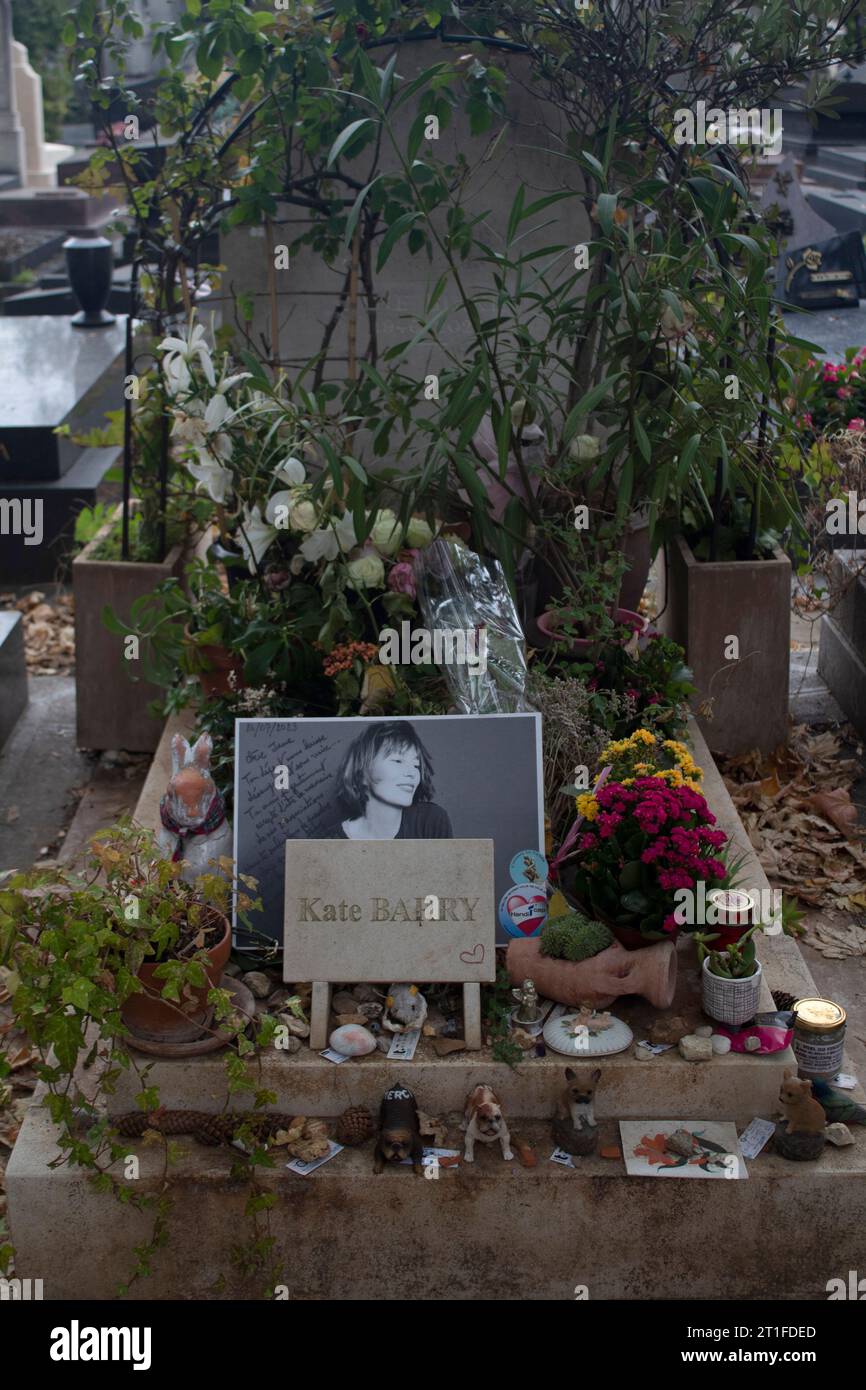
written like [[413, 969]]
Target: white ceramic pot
[[730, 1001]]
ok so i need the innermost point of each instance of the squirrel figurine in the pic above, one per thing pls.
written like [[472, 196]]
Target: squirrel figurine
[[802, 1111]]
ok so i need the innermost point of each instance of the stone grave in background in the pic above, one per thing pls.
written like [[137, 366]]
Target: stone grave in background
[[13, 672], [842, 653], [51, 374]]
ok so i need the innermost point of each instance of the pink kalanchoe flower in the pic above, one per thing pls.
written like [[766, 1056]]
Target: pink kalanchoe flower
[[844, 392], [858, 423]]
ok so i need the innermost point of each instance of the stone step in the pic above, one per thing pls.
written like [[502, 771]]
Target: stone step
[[62, 499], [848, 577], [736, 1086], [844, 670], [487, 1230], [13, 672]]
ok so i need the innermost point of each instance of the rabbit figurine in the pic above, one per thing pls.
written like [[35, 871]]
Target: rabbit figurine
[[194, 825]]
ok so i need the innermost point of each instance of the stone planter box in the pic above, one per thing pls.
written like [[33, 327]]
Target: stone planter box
[[842, 653], [111, 708], [740, 704]]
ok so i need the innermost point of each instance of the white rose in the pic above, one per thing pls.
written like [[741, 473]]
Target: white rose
[[291, 471], [367, 571], [418, 533], [584, 448], [386, 535]]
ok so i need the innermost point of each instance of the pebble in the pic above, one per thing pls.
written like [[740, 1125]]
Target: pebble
[[290, 1044], [260, 984], [279, 998], [752, 1044], [694, 1049], [344, 1003], [643, 1054], [352, 1041], [668, 1030], [383, 1043], [296, 1026], [721, 1044], [232, 970], [839, 1134], [366, 994], [344, 1019], [705, 1031]]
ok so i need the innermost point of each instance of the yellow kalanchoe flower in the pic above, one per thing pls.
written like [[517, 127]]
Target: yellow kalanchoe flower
[[587, 805]]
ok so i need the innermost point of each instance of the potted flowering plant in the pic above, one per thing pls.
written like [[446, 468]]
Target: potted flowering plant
[[642, 842], [646, 753]]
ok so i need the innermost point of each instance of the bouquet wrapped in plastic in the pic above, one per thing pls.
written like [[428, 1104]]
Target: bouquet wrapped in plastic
[[466, 600]]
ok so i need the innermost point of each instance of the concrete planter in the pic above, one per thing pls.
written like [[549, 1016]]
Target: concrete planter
[[111, 708], [741, 704]]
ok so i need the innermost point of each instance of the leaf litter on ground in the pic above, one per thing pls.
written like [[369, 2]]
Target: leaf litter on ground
[[798, 812]]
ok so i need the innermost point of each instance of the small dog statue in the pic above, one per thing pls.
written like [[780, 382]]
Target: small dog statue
[[194, 826], [805, 1115], [483, 1119], [399, 1133], [405, 1009], [576, 1101]]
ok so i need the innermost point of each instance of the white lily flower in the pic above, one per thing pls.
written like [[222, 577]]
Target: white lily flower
[[211, 474], [320, 545], [182, 351], [346, 533], [291, 471], [218, 412], [255, 537]]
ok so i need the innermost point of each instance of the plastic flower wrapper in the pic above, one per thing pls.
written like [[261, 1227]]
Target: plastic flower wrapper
[[457, 591]]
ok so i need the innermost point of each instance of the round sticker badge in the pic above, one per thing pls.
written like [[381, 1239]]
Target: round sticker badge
[[523, 909], [529, 866]]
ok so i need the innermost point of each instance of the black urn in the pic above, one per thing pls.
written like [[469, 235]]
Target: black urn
[[89, 262]]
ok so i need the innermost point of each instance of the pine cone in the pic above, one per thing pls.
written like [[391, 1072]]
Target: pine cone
[[784, 1001], [355, 1125]]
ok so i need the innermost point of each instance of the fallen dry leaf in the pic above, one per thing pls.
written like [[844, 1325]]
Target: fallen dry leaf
[[837, 807]]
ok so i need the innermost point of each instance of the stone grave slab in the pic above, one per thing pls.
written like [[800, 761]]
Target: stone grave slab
[[13, 672], [52, 374]]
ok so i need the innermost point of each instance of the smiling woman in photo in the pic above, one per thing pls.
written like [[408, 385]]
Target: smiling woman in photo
[[385, 789]]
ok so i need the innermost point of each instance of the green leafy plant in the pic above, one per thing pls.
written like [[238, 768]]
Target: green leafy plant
[[574, 937], [736, 962], [498, 1006], [71, 947]]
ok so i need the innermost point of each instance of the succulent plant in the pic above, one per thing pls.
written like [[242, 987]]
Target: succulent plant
[[574, 937]]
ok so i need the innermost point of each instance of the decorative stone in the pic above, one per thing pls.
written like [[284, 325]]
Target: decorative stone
[[369, 1010], [296, 1026], [720, 1044], [384, 1043], [668, 1030], [345, 1019], [705, 1031], [344, 1003], [839, 1135], [577, 1142], [694, 1049], [291, 1043], [643, 1054], [233, 970], [259, 983], [443, 1046], [366, 994], [523, 1039], [279, 998], [799, 1148], [352, 1040], [752, 1044]]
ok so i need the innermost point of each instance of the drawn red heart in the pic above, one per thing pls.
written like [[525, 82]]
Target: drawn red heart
[[473, 957]]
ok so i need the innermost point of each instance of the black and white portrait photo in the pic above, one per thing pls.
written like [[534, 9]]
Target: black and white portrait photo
[[412, 778]]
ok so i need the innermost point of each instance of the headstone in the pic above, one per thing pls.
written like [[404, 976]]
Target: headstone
[[414, 911], [41, 156], [795, 222], [12, 150], [13, 672]]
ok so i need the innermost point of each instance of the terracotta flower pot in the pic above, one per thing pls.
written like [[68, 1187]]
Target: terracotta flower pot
[[222, 663], [148, 1016], [548, 624], [600, 980]]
